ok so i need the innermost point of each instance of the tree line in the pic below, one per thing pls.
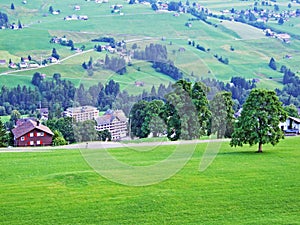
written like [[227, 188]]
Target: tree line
[[184, 113], [187, 114]]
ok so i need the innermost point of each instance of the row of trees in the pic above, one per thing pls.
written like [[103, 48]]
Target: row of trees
[[152, 53], [290, 93], [185, 113]]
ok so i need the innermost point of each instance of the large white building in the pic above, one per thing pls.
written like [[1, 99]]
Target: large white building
[[115, 122], [82, 113]]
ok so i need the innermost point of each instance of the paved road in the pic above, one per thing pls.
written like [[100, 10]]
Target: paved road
[[106, 145]]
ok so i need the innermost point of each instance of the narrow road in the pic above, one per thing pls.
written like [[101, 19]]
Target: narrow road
[[107, 145]]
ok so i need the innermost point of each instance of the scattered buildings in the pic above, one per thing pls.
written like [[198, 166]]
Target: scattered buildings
[[75, 17], [82, 113], [32, 133], [115, 122]]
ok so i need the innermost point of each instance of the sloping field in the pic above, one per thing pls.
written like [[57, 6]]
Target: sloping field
[[243, 30], [141, 25]]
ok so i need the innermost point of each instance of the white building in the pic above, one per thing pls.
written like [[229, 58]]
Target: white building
[[115, 122], [82, 113], [291, 125]]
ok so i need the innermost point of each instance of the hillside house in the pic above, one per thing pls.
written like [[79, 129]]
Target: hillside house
[[44, 112], [52, 60], [32, 133], [115, 122], [2, 62], [23, 65], [76, 7], [13, 66]]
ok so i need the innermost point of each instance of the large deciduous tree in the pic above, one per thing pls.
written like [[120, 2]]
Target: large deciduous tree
[[259, 120], [221, 107], [137, 119], [187, 112]]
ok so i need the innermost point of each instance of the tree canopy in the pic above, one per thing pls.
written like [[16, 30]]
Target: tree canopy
[[3, 135], [222, 114], [259, 120]]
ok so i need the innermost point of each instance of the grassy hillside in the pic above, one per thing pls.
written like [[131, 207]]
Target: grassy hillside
[[141, 25], [239, 187]]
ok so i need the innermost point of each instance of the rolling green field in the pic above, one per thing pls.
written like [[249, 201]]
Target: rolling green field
[[141, 25], [239, 187]]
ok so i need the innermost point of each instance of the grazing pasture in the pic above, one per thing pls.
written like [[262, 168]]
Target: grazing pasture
[[246, 47]]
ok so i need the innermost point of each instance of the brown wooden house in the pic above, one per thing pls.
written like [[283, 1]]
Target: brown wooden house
[[32, 133]]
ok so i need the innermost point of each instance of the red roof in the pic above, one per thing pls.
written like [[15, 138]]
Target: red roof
[[29, 126]]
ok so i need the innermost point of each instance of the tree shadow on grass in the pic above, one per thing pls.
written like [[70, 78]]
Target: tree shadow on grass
[[249, 152]]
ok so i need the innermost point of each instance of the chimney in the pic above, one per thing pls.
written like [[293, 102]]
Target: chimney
[[37, 123]]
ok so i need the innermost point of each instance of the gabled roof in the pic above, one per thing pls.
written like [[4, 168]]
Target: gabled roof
[[297, 120], [29, 126]]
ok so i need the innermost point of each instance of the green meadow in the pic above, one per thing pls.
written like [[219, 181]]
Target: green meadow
[[239, 187], [141, 25]]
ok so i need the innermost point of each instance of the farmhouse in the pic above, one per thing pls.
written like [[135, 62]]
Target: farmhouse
[[291, 125], [32, 133], [77, 7], [113, 121], [52, 59], [82, 113], [23, 65]]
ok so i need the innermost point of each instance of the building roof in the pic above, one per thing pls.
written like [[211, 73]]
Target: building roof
[[29, 126], [110, 115], [120, 115], [297, 120], [81, 109], [105, 119]]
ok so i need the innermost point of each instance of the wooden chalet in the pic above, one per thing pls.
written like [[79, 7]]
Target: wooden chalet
[[32, 133]]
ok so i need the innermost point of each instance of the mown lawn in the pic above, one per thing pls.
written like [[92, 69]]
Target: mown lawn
[[239, 187]]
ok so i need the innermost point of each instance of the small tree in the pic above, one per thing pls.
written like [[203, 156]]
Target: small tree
[[222, 114], [272, 64], [51, 9], [280, 21], [259, 120], [3, 135], [58, 139], [291, 110], [12, 6], [55, 54], [14, 116], [104, 135], [20, 26]]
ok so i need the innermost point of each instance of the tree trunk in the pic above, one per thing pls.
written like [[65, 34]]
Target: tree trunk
[[260, 148]]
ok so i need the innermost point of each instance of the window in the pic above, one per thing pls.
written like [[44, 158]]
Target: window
[[31, 135], [40, 134], [31, 143], [23, 138], [38, 142]]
